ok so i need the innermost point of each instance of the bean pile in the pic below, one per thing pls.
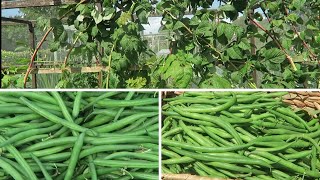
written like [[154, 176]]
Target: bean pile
[[79, 135], [246, 135]]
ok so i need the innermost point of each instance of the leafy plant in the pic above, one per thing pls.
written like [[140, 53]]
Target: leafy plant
[[239, 44]]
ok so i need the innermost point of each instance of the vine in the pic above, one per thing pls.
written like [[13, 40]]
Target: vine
[[238, 44]]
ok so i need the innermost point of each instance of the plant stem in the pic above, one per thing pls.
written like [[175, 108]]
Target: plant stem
[[109, 64], [276, 41], [69, 52], [312, 55]]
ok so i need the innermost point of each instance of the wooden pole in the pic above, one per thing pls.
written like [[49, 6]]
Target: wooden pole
[[33, 47]]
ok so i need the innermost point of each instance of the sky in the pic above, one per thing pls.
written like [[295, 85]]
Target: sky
[[151, 28]]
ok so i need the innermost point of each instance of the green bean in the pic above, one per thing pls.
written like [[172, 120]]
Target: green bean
[[43, 152], [170, 154], [225, 125], [56, 119], [134, 125], [20, 159], [141, 155], [214, 109], [22, 135], [92, 168], [42, 96], [165, 170], [74, 156], [253, 106], [123, 122], [236, 119], [56, 157], [143, 131], [44, 171], [93, 141], [98, 120], [104, 148], [180, 160], [205, 157], [128, 164], [147, 123], [197, 137], [10, 170], [126, 103], [18, 119], [287, 164], [196, 122], [278, 125], [146, 108], [15, 110], [29, 139], [280, 174], [31, 126], [199, 170], [286, 118], [205, 149], [297, 155], [235, 168], [128, 97], [103, 96], [77, 104], [64, 110], [293, 115], [149, 176], [210, 171]]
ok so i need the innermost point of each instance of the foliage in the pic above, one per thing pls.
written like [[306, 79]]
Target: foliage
[[290, 24], [239, 44]]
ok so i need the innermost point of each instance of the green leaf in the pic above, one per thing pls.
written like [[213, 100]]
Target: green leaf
[[94, 31], [229, 31], [287, 74], [54, 46], [80, 17], [234, 53], [220, 29], [293, 17], [286, 43], [215, 81], [58, 28], [84, 37], [227, 7], [143, 16], [92, 46], [298, 3], [5, 81], [310, 27], [273, 6], [204, 29], [195, 21], [96, 16], [277, 23], [178, 25], [244, 44], [274, 55], [129, 43]]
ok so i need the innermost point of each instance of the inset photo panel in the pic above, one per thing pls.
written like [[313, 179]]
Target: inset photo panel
[[79, 135], [240, 135]]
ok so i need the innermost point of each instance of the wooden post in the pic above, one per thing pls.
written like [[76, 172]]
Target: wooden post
[[101, 49], [33, 47]]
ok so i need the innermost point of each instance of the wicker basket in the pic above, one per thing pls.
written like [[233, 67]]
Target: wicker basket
[[307, 101]]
